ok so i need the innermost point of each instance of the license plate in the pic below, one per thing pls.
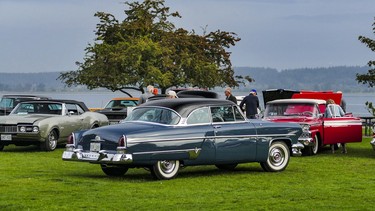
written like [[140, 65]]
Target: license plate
[[6, 137], [94, 147]]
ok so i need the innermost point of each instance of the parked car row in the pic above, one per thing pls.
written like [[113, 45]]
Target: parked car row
[[197, 128], [164, 135]]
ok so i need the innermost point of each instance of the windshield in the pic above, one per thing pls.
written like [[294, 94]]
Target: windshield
[[6, 103], [154, 114], [291, 109], [38, 108], [121, 103]]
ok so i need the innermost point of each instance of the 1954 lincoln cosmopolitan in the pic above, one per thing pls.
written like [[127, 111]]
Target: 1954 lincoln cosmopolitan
[[164, 135]]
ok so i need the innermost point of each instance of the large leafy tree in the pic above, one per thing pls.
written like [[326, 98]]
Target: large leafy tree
[[146, 48], [369, 77]]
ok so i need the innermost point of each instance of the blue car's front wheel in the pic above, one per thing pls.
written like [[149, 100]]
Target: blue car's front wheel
[[278, 157]]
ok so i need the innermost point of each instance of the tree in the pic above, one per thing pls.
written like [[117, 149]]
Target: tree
[[369, 77], [146, 48]]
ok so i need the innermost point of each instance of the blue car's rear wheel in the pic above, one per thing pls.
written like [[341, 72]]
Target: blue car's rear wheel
[[165, 169], [278, 157]]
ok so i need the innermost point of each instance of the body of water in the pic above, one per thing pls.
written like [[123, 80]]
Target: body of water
[[355, 102]]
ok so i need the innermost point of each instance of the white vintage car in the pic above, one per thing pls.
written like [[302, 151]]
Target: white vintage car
[[46, 123]]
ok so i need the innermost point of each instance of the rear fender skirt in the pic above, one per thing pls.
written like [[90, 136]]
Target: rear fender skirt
[[184, 154]]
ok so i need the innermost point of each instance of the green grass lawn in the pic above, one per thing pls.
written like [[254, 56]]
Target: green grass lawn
[[34, 180]]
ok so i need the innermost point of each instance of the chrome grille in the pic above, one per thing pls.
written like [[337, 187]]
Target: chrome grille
[[8, 128]]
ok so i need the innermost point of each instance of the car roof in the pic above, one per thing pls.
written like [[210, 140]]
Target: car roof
[[185, 105], [25, 96], [125, 98], [299, 100], [82, 104]]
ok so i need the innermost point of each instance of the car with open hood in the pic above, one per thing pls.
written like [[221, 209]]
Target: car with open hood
[[322, 123], [46, 123], [165, 135]]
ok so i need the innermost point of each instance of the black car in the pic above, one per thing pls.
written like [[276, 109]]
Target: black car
[[117, 109], [8, 102]]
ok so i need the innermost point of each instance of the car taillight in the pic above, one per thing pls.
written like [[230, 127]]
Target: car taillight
[[70, 139], [122, 141]]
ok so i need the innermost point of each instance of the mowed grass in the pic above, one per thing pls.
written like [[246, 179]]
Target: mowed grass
[[34, 180]]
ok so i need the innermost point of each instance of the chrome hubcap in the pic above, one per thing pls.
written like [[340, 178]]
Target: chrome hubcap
[[276, 157], [167, 166], [52, 141]]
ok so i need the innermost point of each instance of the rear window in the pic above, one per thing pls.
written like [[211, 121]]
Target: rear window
[[154, 114]]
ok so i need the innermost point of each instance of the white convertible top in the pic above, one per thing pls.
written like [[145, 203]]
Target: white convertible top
[[313, 101]]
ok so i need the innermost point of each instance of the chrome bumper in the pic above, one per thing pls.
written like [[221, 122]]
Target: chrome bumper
[[102, 156], [296, 149], [373, 143], [306, 139]]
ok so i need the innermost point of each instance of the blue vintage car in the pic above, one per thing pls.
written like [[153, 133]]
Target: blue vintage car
[[164, 135]]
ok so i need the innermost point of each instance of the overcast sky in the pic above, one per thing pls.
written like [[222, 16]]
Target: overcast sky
[[51, 35]]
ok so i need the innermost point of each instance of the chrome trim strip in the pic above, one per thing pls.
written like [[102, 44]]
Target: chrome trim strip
[[168, 151], [211, 137], [342, 123]]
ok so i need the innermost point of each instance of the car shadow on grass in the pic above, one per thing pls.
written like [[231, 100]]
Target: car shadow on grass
[[351, 152], [144, 175], [30, 148]]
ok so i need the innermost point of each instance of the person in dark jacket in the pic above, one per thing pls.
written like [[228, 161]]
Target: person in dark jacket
[[251, 103], [229, 96]]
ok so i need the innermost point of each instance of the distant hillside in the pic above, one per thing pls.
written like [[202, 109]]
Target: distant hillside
[[331, 78], [30, 82]]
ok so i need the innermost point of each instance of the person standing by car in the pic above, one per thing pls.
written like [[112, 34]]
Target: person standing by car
[[149, 93], [229, 96], [171, 94], [343, 102], [251, 103], [330, 114]]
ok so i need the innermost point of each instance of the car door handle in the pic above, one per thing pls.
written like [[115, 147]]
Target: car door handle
[[217, 126]]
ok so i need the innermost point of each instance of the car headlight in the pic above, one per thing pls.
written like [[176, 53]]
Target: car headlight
[[23, 129], [35, 129], [305, 128], [28, 129]]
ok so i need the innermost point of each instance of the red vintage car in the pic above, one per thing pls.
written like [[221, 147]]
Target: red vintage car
[[322, 124]]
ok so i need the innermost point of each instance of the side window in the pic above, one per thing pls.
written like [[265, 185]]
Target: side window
[[80, 110], [217, 114], [72, 109], [199, 116], [238, 115], [223, 114], [228, 114]]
